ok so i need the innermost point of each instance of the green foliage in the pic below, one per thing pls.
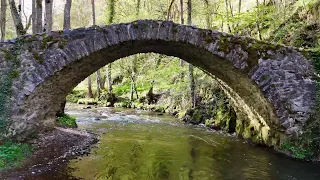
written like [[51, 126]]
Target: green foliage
[[122, 89], [297, 151], [67, 121], [87, 101], [221, 117], [197, 116], [209, 122], [106, 98], [38, 57], [123, 104], [62, 43], [125, 88], [75, 95], [13, 154], [46, 40], [295, 34], [300, 28]]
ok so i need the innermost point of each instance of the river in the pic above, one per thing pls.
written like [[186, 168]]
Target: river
[[143, 145]]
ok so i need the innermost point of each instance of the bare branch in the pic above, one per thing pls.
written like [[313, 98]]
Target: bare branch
[[169, 10], [28, 24]]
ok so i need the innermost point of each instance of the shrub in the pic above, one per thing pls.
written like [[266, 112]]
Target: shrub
[[66, 121]]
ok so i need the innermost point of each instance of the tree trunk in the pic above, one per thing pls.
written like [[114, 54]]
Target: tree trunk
[[109, 78], [227, 11], [103, 81], [231, 9], [133, 77], [231, 13], [93, 12], [16, 18], [133, 89], [192, 85], [239, 11], [34, 17], [258, 21], [90, 94], [191, 78], [138, 8], [48, 16], [99, 83], [67, 9], [176, 13], [208, 16], [189, 12], [182, 22], [20, 8], [111, 11], [181, 12], [3, 19], [131, 92], [39, 16]]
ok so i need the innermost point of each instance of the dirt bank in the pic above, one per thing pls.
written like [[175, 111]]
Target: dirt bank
[[53, 150]]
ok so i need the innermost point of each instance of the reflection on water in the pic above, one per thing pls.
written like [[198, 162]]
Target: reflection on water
[[140, 146]]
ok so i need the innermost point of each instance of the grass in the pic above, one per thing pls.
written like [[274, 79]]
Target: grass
[[13, 154], [66, 121]]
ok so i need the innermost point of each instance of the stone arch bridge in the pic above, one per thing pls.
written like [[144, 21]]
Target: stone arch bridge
[[270, 86]]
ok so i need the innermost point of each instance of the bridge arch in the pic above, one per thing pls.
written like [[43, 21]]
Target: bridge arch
[[270, 85]]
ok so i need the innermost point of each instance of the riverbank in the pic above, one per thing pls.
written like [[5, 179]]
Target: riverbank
[[53, 150]]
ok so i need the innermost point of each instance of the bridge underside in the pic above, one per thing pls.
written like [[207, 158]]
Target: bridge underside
[[273, 97]]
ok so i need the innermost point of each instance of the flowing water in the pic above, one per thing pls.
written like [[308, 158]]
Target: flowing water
[[142, 145]]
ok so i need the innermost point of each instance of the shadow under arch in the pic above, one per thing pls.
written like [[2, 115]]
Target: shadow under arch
[[246, 70]]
